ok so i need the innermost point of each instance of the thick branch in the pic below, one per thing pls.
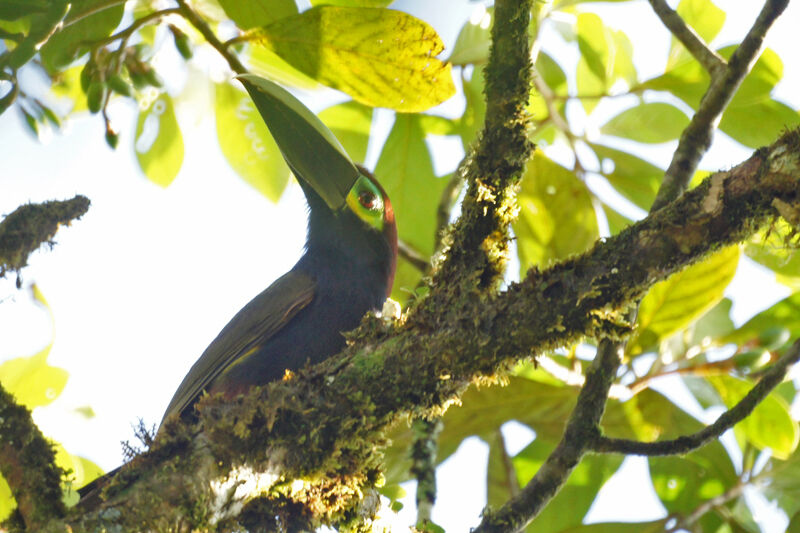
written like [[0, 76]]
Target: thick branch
[[685, 444], [32, 225], [27, 462], [696, 138], [339, 409], [707, 57]]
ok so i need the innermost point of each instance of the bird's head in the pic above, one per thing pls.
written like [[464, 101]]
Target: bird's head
[[349, 210]]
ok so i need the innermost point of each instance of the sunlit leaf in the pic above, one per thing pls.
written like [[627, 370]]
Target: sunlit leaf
[[616, 221], [633, 177], [350, 122], [784, 314], [624, 68], [706, 20], [7, 501], [472, 43], [475, 110], [575, 498], [251, 13], [672, 304], [380, 57], [265, 62], [247, 144], [93, 20], [159, 144], [500, 473], [80, 472], [352, 3], [556, 80], [655, 122], [783, 484], [556, 216], [618, 527], [770, 425], [775, 249]]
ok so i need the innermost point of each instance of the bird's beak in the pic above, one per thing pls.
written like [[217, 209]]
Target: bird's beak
[[310, 149]]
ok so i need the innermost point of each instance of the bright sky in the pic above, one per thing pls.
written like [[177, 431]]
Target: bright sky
[[142, 284]]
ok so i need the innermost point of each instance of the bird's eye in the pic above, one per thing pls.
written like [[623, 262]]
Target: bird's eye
[[368, 200]]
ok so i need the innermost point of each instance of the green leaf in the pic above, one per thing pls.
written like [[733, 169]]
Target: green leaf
[[81, 471], [555, 78], [475, 110], [683, 482], [556, 216], [633, 177], [655, 122], [706, 20], [405, 169], [783, 483], [619, 527], [624, 68], [159, 144], [94, 20], [380, 57], [7, 501], [251, 13], [267, 63], [311, 150], [484, 410], [775, 249], [575, 498], [770, 425], [616, 221], [784, 314], [472, 43], [500, 472], [350, 122], [247, 144], [352, 3], [14, 9], [674, 303], [595, 65], [32, 381]]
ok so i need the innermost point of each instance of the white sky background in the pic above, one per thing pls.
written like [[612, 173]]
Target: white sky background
[[149, 276]]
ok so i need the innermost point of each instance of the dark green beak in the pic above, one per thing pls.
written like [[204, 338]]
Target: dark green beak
[[310, 149]]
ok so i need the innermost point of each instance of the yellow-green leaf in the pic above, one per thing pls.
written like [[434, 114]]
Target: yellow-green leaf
[[247, 144], [251, 13], [31, 380], [7, 501], [706, 20], [472, 43], [159, 145], [674, 303], [556, 216], [634, 178], [350, 122], [380, 57], [654, 122], [769, 425]]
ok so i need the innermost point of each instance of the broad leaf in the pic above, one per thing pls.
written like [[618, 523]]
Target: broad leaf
[[633, 177], [350, 122], [475, 110], [554, 77], [7, 501], [159, 144], [575, 498], [556, 216], [251, 13], [655, 122], [776, 249], [672, 304], [380, 57], [247, 144], [783, 315], [706, 20], [596, 63], [352, 3], [472, 43], [769, 425], [88, 20], [501, 475]]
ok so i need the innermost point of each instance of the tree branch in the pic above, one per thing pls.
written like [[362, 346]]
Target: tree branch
[[338, 410], [696, 138], [685, 444], [423, 468], [209, 35], [32, 225], [27, 462], [707, 57]]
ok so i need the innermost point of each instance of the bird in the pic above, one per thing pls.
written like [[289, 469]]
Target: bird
[[347, 269]]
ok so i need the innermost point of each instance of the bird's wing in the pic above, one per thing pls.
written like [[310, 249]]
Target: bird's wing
[[255, 323]]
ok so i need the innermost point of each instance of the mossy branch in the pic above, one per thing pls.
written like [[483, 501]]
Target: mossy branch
[[32, 225], [315, 438], [27, 462]]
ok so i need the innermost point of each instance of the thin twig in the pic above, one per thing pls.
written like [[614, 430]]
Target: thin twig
[[707, 57], [135, 25], [423, 455], [771, 379], [413, 256], [696, 138], [712, 503], [209, 35]]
